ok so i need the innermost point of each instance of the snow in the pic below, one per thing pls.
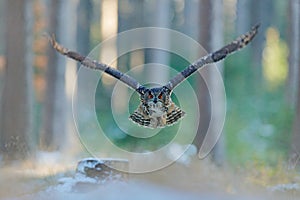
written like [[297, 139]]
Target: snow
[[185, 179], [78, 186], [89, 163], [48, 157], [284, 187], [68, 184], [82, 180], [186, 153], [133, 190]]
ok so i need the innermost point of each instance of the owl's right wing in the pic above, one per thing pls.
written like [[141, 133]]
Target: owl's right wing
[[88, 62], [216, 56]]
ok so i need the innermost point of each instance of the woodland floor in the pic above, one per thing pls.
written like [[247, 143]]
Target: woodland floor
[[198, 180]]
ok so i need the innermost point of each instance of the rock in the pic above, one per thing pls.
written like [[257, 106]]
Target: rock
[[103, 169], [91, 173]]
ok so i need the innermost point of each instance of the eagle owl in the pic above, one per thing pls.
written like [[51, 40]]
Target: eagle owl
[[156, 109]]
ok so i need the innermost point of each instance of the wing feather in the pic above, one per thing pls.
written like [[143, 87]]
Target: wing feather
[[216, 56], [88, 62]]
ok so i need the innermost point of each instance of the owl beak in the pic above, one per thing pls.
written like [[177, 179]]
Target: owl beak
[[155, 100]]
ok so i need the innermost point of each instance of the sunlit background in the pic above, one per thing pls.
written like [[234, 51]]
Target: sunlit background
[[261, 135]]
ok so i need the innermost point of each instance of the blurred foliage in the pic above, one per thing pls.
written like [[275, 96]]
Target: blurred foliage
[[275, 65], [258, 122], [260, 174]]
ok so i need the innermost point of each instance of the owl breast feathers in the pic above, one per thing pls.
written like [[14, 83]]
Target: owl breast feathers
[[156, 109]]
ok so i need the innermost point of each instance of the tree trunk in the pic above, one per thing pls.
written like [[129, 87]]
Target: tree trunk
[[295, 62], [82, 39], [2, 45], [294, 49], [259, 15], [204, 100], [218, 109], [16, 108], [243, 16], [54, 85], [62, 15], [211, 38], [85, 13], [191, 13], [160, 18]]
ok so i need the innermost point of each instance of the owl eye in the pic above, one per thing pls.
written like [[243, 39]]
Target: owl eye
[[150, 96], [160, 96]]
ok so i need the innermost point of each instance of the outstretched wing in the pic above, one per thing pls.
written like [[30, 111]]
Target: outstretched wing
[[87, 62], [216, 56]]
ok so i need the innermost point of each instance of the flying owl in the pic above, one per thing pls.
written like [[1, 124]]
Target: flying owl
[[156, 109]]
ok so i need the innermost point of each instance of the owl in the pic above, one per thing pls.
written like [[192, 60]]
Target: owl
[[156, 109]]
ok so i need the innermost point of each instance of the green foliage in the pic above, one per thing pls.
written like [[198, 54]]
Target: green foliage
[[258, 122]]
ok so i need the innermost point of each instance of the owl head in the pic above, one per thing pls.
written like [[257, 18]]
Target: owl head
[[155, 100], [155, 95]]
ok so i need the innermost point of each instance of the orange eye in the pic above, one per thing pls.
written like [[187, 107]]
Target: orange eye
[[160, 96], [150, 96]]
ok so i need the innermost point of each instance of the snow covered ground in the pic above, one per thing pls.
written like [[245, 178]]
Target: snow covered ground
[[195, 179], [136, 190], [112, 191]]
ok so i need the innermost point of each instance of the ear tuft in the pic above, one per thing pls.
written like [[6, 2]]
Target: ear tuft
[[141, 90]]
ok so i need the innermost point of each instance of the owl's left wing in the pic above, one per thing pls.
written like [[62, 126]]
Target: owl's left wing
[[216, 56], [88, 62]]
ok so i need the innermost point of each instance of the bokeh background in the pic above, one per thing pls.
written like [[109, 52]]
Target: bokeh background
[[261, 135]]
